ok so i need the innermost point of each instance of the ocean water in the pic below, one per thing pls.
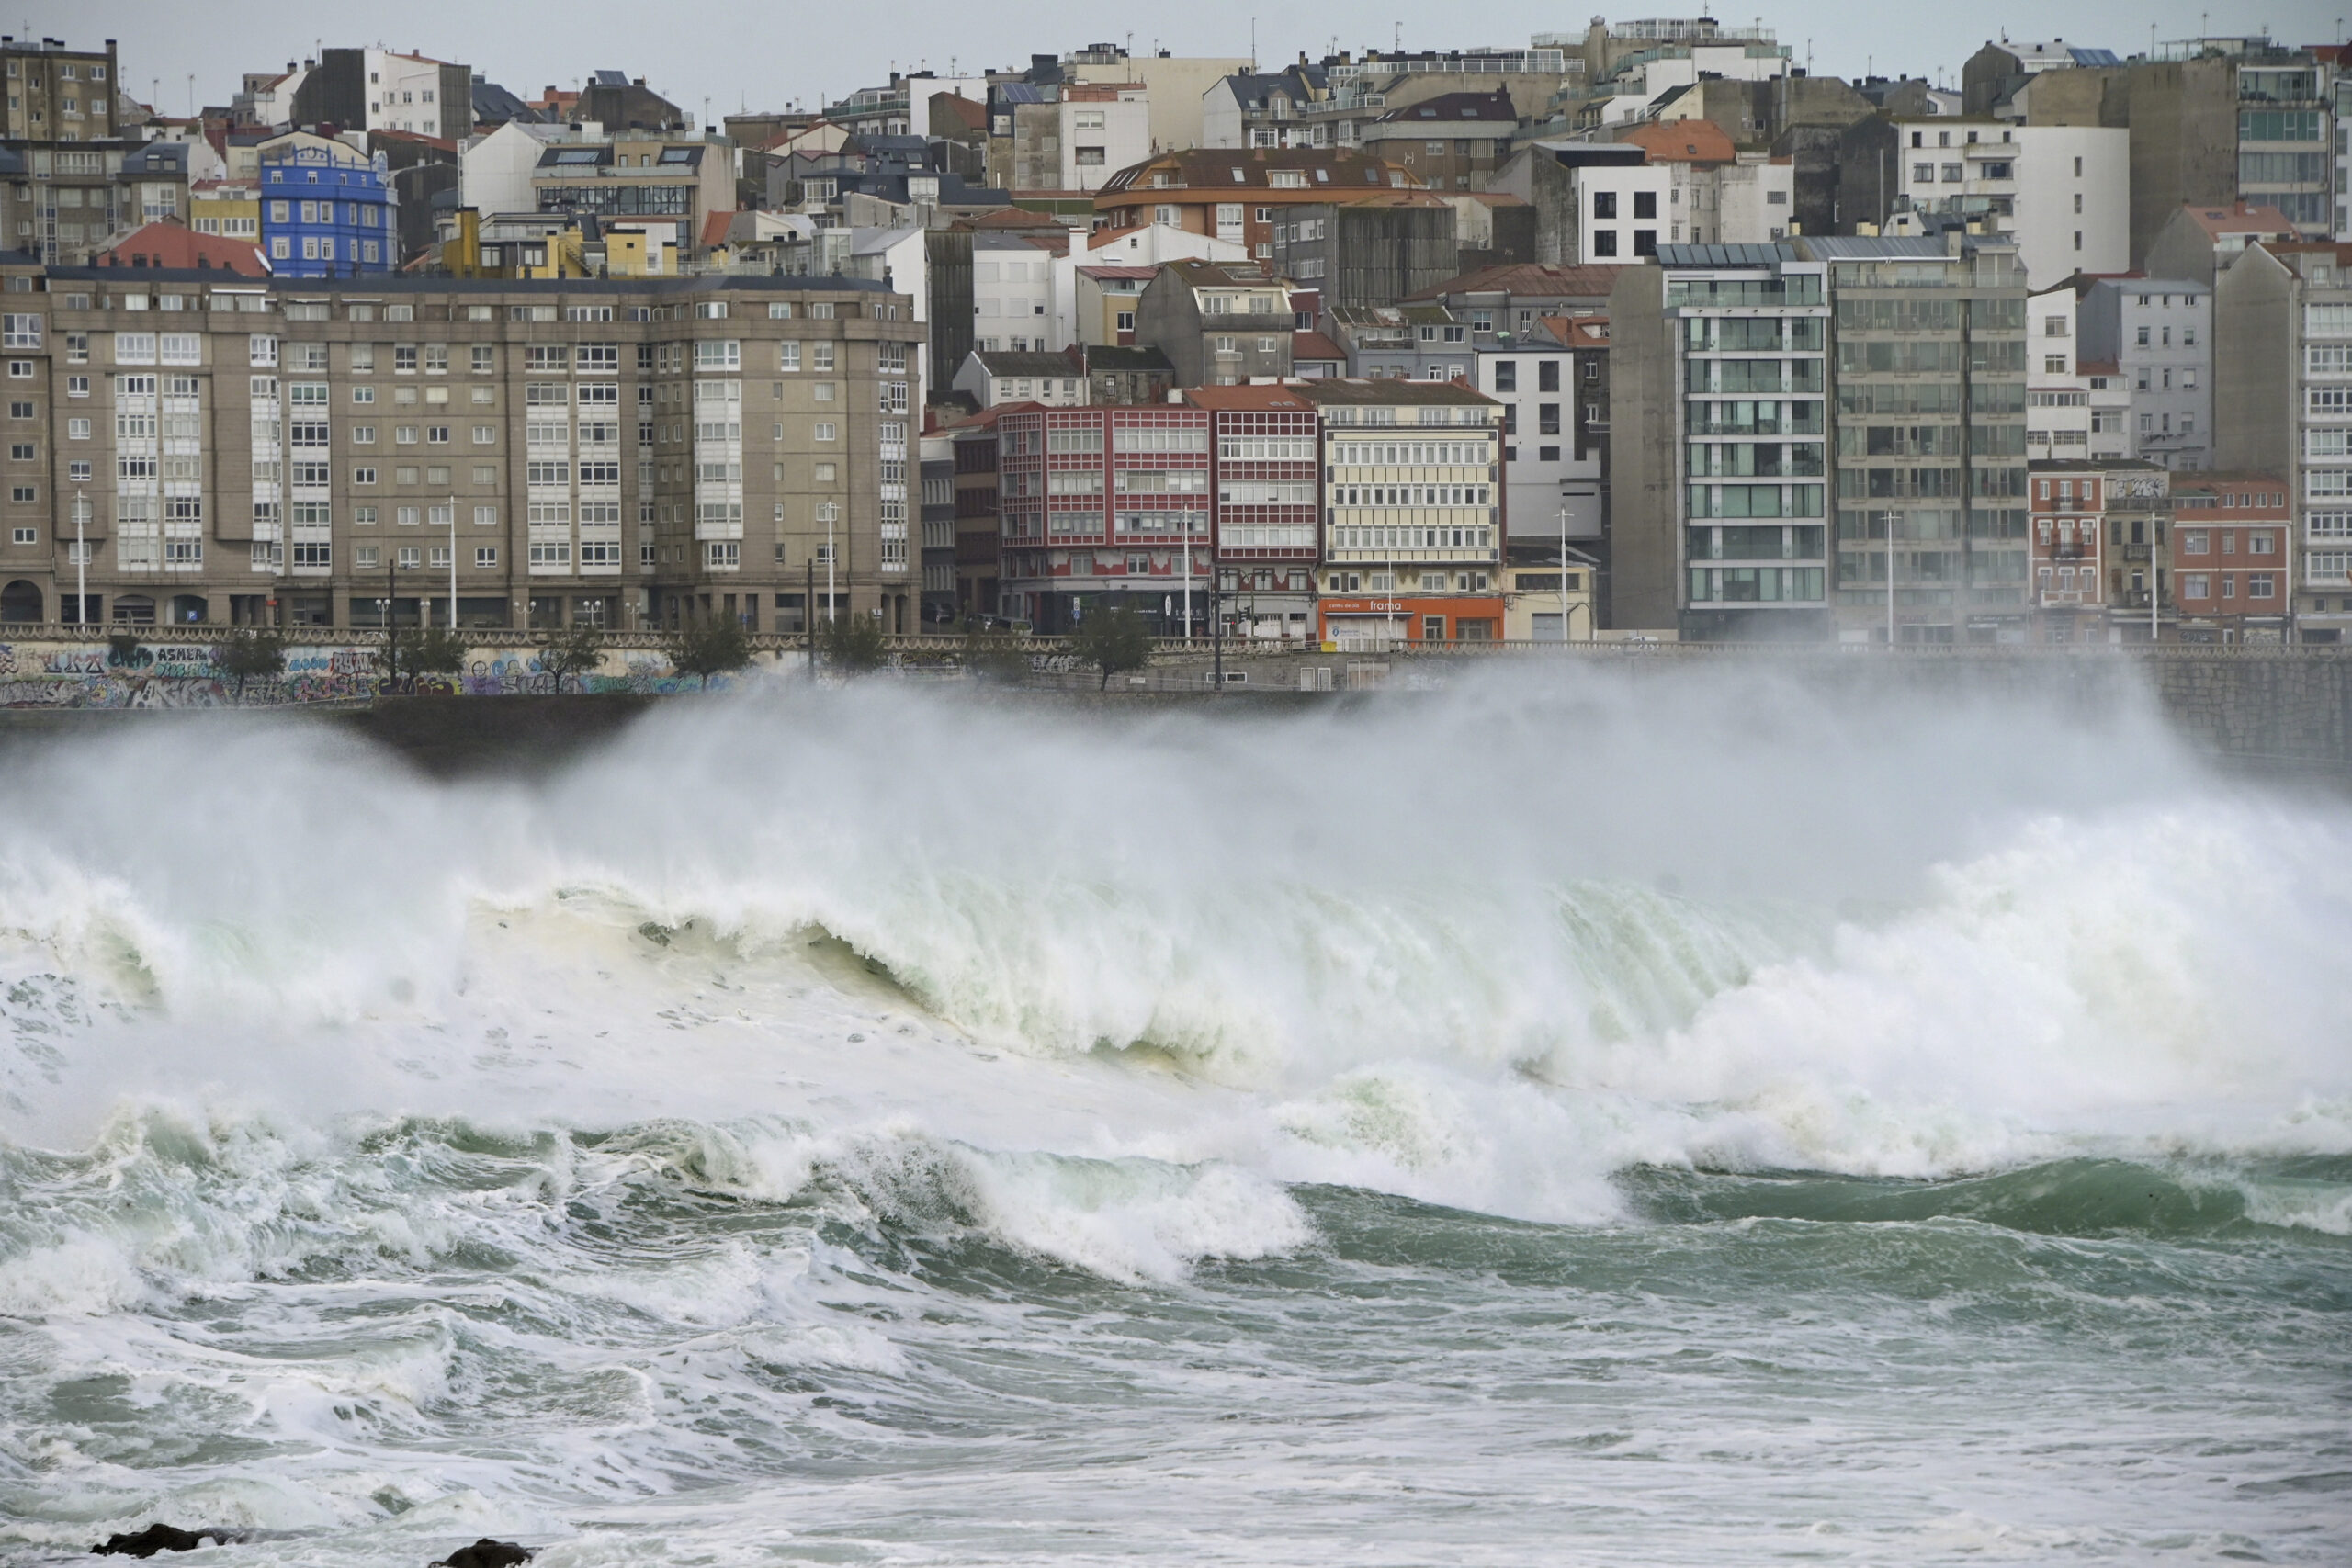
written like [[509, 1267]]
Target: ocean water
[[1631, 1119]]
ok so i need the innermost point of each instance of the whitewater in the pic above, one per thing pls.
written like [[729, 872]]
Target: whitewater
[[1623, 1116]]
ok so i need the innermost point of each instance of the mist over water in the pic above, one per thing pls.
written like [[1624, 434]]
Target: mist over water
[[1627, 1116]]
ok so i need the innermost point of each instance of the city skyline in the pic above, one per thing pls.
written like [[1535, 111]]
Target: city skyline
[[1843, 38]]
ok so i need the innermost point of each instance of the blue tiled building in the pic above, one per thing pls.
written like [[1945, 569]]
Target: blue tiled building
[[327, 213]]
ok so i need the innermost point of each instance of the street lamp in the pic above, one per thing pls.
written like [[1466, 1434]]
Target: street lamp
[[81, 559], [1563, 576], [1888, 519], [453, 562]]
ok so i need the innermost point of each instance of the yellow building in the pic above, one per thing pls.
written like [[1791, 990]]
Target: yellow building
[[549, 245], [230, 209], [1531, 604]]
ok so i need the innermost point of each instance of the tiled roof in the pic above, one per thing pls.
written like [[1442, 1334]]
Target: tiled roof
[[1530, 279]]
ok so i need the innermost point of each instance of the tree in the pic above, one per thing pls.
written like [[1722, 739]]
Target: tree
[[422, 651], [1114, 640], [707, 645], [854, 643], [433, 650], [249, 654], [573, 651], [992, 655]]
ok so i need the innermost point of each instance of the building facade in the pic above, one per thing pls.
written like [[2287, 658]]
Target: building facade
[[2232, 552], [1719, 368], [1266, 475], [1413, 522], [1929, 367], [2283, 316], [1102, 503], [327, 213], [326, 452], [2158, 333]]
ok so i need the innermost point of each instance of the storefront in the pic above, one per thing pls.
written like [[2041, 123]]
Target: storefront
[[1367, 623]]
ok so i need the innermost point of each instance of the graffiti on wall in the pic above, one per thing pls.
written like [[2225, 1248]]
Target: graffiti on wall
[[183, 675]]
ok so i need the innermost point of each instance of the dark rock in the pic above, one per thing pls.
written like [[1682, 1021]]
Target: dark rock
[[486, 1553], [159, 1537]]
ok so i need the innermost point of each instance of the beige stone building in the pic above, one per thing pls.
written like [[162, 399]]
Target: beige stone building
[[630, 452]]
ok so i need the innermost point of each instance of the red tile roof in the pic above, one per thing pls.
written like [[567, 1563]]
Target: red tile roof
[[2240, 218], [165, 244], [1683, 141], [1315, 346]]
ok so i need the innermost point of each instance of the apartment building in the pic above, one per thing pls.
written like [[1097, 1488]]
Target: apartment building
[[1413, 513], [978, 543], [1507, 300], [1080, 137], [2077, 408], [2231, 554], [1367, 253], [60, 201], [1413, 343], [1929, 367], [327, 452], [1553, 461], [59, 95], [1594, 202], [2061, 192], [938, 519], [680, 182], [2282, 322], [1453, 141], [382, 89], [2098, 530], [1016, 303], [1237, 195], [2158, 333], [1096, 503], [1266, 475], [326, 211], [1219, 325], [1719, 474], [1715, 194]]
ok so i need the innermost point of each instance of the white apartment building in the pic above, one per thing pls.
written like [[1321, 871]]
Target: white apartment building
[[1015, 304], [2074, 407], [2061, 192], [1082, 138], [406, 92]]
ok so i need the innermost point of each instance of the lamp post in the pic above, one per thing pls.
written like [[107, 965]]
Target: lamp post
[[453, 562], [81, 559], [1563, 576], [1888, 518]]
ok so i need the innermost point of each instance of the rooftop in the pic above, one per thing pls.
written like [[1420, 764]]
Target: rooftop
[[1524, 279], [1353, 393], [1008, 362], [1683, 141], [1255, 398]]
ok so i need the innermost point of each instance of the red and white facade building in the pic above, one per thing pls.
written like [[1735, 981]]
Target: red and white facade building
[[2232, 535], [2098, 538], [1267, 479], [1104, 501]]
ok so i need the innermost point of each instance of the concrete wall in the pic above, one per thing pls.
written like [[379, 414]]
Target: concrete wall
[[1645, 425], [2254, 368], [52, 673]]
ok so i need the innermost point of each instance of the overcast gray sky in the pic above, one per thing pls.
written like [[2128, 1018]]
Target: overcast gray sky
[[763, 54]]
